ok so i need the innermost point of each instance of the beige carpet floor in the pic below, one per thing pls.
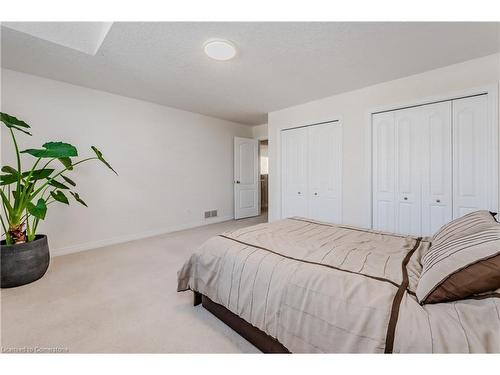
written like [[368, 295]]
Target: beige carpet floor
[[119, 299]]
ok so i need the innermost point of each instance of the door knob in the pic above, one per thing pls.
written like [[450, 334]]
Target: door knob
[[438, 200], [237, 182], [405, 198], [299, 192], [315, 193]]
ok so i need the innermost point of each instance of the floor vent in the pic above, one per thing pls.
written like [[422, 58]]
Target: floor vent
[[209, 214]]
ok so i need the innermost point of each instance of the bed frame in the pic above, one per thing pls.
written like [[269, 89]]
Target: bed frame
[[258, 338]]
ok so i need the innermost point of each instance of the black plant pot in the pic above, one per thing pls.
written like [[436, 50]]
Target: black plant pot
[[24, 263]]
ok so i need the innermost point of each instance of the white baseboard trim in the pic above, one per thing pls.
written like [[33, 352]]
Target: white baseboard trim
[[132, 237]]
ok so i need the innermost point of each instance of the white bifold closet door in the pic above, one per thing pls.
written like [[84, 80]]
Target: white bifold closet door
[[325, 163], [431, 164], [412, 185], [384, 172], [436, 166], [408, 179], [471, 160], [311, 162], [294, 173]]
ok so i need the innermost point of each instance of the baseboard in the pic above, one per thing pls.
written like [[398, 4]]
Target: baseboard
[[132, 237]]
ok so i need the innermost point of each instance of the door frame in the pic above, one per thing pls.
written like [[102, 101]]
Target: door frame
[[234, 178], [491, 90], [338, 120], [263, 138]]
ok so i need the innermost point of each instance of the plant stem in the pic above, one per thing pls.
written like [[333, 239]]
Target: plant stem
[[18, 157], [24, 194], [28, 234], [47, 164], [3, 224], [30, 174], [7, 208], [36, 221]]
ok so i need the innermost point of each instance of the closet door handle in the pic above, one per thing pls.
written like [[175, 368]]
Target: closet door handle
[[299, 193], [405, 198], [438, 200], [315, 193]]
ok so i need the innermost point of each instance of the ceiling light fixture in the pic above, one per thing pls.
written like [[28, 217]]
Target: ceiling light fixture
[[220, 49]]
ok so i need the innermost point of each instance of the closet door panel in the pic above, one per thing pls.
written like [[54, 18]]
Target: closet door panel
[[383, 172], [435, 155], [294, 173], [470, 155], [408, 172], [325, 157], [433, 163]]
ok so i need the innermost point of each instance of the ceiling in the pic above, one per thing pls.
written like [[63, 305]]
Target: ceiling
[[85, 37], [278, 64]]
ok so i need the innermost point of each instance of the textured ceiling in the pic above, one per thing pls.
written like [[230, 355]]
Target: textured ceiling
[[85, 37], [278, 64]]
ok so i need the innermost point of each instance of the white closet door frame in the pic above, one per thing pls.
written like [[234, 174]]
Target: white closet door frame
[[492, 92], [337, 120]]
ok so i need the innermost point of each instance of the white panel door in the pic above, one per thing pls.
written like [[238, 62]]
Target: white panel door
[[435, 154], [408, 171], [470, 155], [384, 172], [294, 173], [246, 177], [325, 172]]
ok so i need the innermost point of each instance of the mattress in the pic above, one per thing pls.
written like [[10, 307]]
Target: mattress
[[323, 288]]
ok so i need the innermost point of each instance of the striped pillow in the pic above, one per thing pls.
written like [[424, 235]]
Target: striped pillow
[[464, 259]]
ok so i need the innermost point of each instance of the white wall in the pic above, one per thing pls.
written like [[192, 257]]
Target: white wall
[[173, 165], [259, 131], [354, 108]]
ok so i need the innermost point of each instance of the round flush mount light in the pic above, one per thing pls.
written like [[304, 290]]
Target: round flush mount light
[[219, 49]]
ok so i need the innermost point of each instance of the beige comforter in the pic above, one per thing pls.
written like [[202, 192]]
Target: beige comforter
[[318, 287]]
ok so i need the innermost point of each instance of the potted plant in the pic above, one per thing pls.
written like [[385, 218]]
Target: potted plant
[[26, 194]]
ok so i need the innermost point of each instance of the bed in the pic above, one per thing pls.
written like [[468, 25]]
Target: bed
[[303, 286]]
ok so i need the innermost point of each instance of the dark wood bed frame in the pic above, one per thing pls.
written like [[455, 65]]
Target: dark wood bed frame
[[258, 338]]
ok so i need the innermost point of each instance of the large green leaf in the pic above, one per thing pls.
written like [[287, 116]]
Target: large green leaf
[[100, 157], [39, 174], [9, 170], [13, 176], [39, 210], [78, 199], [53, 150], [14, 123], [9, 178], [58, 185], [59, 196], [67, 163], [11, 121]]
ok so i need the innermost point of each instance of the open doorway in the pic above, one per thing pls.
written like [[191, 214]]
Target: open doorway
[[263, 175]]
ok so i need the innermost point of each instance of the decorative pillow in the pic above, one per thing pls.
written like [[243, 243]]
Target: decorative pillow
[[464, 259]]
